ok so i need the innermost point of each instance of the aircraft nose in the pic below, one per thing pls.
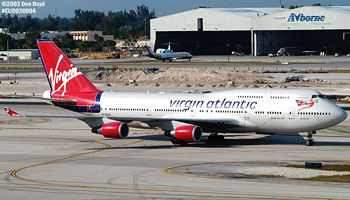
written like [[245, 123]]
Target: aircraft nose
[[341, 115]]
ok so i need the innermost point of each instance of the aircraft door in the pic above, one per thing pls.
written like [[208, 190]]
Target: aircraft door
[[148, 112], [291, 113], [247, 114], [267, 96], [193, 113]]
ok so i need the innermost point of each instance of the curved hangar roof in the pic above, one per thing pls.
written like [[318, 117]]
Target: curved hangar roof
[[226, 19]]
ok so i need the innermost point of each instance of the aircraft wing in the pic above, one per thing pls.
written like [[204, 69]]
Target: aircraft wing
[[199, 122], [205, 123], [16, 114]]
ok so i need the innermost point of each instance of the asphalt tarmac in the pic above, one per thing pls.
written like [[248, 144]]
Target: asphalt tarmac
[[61, 159]]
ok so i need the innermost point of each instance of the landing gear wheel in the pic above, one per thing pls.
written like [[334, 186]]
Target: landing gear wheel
[[183, 143], [215, 138], [309, 142], [175, 141], [220, 138]]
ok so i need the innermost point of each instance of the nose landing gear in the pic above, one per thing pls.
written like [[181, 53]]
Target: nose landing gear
[[309, 141]]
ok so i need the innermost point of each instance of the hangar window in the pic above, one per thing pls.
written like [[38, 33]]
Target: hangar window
[[200, 24]]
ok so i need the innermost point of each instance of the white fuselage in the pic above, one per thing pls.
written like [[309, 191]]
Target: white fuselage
[[173, 55], [241, 110]]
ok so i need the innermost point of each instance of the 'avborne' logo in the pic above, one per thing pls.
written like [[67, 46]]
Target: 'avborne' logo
[[62, 78], [302, 18]]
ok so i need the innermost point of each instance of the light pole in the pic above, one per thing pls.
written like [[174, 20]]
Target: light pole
[[8, 51], [145, 27], [228, 52]]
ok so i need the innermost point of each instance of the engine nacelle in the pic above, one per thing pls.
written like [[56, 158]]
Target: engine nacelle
[[113, 130], [187, 133]]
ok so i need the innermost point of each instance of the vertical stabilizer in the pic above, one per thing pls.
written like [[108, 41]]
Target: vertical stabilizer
[[61, 73]]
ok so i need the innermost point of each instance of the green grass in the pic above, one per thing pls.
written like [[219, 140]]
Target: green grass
[[336, 178], [309, 71], [338, 168]]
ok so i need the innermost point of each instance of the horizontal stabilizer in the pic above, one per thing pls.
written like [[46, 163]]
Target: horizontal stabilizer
[[11, 112], [38, 97]]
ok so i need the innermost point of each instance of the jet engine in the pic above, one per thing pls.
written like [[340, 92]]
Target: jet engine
[[112, 130], [187, 133]]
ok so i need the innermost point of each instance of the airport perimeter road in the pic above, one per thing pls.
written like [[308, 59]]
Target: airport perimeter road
[[61, 159], [236, 63]]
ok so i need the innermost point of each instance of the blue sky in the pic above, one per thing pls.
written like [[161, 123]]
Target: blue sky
[[66, 8]]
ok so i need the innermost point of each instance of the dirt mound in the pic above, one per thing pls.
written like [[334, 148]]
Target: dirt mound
[[176, 75]]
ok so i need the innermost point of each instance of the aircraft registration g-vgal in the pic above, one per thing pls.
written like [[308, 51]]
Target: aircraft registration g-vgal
[[184, 117]]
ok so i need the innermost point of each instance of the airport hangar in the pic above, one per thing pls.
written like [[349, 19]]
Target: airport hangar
[[254, 31]]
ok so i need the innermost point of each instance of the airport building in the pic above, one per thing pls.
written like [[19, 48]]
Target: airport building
[[19, 54], [89, 35], [255, 31]]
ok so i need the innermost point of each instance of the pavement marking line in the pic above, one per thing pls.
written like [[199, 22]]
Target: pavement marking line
[[166, 171], [14, 174], [31, 159], [6, 172], [107, 146]]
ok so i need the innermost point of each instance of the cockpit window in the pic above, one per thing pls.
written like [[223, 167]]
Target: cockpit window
[[321, 96]]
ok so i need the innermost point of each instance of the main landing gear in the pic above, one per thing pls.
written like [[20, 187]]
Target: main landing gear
[[176, 141], [309, 141], [215, 138]]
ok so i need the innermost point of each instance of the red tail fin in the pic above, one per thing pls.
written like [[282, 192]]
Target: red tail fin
[[61, 73]]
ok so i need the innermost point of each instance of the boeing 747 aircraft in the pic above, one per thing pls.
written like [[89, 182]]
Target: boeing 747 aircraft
[[168, 56], [183, 117]]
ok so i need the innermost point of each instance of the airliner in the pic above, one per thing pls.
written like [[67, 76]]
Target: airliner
[[168, 50], [183, 117], [168, 56]]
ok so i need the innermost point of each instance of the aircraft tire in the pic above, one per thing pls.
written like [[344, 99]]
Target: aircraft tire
[[174, 141], [214, 139], [309, 142]]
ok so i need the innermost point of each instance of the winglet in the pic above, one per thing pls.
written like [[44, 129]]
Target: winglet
[[11, 112]]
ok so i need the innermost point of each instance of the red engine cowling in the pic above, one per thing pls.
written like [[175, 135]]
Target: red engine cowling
[[113, 130], [187, 133]]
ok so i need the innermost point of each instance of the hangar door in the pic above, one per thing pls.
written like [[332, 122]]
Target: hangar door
[[205, 42], [329, 41]]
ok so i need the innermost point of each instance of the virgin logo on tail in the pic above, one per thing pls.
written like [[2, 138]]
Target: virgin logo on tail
[[61, 73], [61, 78]]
